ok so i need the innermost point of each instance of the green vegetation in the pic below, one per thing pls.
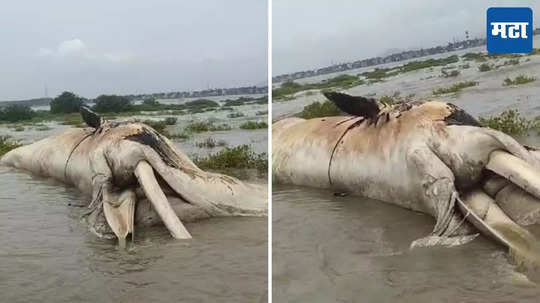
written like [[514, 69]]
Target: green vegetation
[[150, 102], [290, 87], [65, 109], [261, 113], [508, 122], [74, 119], [42, 128], [455, 87], [19, 128], [253, 125], [170, 120], [478, 57], [229, 160], [535, 51], [211, 143], [112, 104], [416, 65], [484, 67], [483, 57], [379, 73], [451, 74], [386, 100], [511, 62], [245, 100], [521, 79], [317, 109], [342, 81], [200, 105], [7, 144], [235, 115], [195, 106], [182, 135], [160, 126], [287, 88], [205, 126], [16, 113], [66, 102], [347, 81]]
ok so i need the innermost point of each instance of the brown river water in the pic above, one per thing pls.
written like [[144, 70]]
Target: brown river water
[[47, 255], [353, 249]]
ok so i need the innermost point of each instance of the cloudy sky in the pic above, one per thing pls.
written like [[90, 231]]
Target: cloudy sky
[[314, 33], [123, 47]]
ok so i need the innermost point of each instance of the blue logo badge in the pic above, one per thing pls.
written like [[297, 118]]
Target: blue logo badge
[[509, 30]]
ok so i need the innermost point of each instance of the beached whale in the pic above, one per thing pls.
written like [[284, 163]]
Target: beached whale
[[136, 177], [430, 157]]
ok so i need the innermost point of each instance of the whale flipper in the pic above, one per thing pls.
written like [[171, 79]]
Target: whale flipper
[[354, 105]]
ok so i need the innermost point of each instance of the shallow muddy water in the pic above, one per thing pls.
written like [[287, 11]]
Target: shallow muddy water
[[353, 249], [46, 255]]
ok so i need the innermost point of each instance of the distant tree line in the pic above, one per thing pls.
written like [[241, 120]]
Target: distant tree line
[[14, 113], [65, 103], [68, 102]]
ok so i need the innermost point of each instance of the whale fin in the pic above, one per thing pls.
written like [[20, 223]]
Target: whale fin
[[354, 105], [90, 117]]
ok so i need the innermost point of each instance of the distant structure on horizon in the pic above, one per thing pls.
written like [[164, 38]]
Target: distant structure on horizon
[[451, 46], [214, 92], [246, 90]]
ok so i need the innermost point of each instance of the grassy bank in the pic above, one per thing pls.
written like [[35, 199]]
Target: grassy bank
[[456, 87], [205, 126], [254, 125], [291, 87], [521, 79], [210, 143], [235, 161], [511, 122], [24, 114], [381, 73], [6, 144], [317, 109], [345, 81]]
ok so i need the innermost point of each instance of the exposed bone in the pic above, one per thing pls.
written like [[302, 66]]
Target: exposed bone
[[120, 215], [148, 182], [228, 196], [482, 211], [494, 184], [147, 216], [516, 170], [519, 205]]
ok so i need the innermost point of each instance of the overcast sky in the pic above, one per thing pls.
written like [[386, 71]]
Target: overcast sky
[[123, 47], [314, 33]]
